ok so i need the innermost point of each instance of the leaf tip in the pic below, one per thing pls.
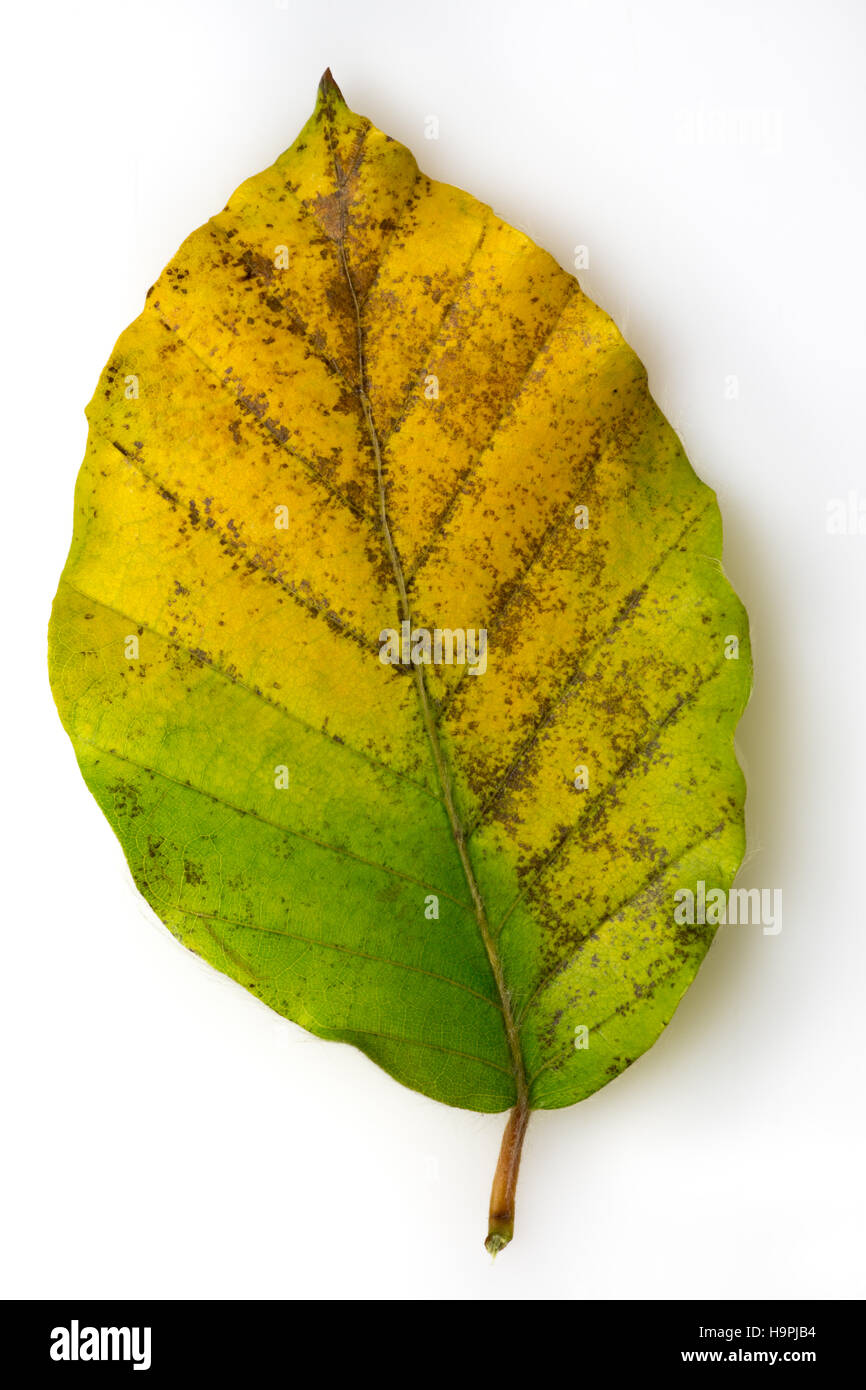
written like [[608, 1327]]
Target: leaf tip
[[328, 89]]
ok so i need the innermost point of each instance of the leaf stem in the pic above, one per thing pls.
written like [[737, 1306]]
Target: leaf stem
[[502, 1195]]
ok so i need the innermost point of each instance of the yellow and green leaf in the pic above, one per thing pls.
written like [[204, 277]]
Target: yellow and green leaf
[[357, 399]]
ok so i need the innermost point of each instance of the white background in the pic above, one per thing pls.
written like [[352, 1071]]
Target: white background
[[164, 1134]]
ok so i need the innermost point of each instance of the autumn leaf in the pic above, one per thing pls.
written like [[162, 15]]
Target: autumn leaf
[[394, 641]]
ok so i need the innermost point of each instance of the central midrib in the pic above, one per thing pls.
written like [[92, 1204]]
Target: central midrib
[[440, 760]]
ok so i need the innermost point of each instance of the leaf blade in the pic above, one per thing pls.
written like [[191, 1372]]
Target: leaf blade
[[311, 388]]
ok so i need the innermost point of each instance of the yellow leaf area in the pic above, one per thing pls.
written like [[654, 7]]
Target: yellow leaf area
[[357, 399]]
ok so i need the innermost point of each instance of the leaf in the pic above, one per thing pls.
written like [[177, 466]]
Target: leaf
[[357, 399]]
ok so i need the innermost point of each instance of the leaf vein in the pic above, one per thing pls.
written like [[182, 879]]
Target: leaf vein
[[338, 850], [337, 946], [622, 776], [258, 694], [648, 883]]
